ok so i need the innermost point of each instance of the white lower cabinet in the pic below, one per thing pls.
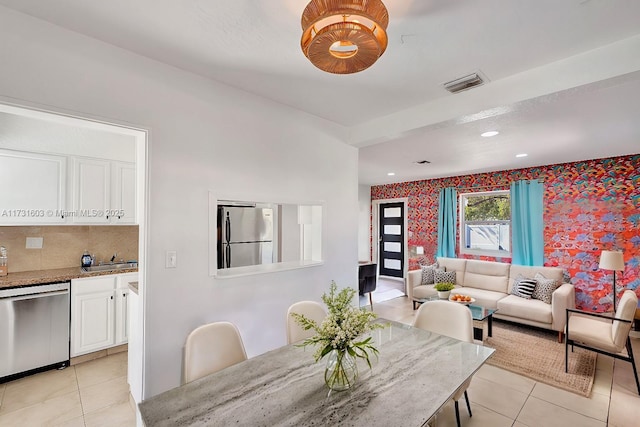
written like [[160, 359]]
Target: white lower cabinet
[[99, 315]]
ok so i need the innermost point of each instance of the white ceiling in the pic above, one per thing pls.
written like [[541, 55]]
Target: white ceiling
[[564, 75]]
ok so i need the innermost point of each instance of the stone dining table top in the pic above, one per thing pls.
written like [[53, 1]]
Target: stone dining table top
[[416, 373]]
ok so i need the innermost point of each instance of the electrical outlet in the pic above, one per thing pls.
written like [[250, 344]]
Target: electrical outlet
[[34, 243], [171, 260]]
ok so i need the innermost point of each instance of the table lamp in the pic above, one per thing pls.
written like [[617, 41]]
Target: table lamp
[[612, 260]]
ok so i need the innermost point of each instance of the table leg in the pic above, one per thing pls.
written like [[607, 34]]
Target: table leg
[[490, 331]]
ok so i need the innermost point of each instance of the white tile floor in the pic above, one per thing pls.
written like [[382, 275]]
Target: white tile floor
[[90, 394], [95, 393]]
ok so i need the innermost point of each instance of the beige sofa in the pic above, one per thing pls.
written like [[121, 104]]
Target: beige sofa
[[490, 284]]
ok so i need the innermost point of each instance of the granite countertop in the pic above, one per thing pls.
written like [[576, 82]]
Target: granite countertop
[[133, 286], [38, 277]]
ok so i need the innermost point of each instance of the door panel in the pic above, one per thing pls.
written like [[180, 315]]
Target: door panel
[[391, 239]]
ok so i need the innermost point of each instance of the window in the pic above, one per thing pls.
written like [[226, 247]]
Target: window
[[485, 223]]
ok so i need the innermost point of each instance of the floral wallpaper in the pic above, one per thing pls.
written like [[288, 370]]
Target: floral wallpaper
[[590, 206]]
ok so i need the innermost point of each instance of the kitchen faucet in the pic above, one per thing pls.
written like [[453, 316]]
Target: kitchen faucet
[[114, 256]]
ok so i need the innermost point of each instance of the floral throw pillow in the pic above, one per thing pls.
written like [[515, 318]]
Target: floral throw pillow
[[544, 289], [441, 276], [523, 287], [428, 275]]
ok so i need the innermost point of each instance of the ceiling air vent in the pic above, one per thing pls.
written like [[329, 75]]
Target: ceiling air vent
[[464, 83], [422, 162]]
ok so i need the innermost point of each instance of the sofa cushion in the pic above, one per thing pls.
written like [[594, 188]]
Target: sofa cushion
[[488, 275], [424, 291], [427, 273], [526, 271], [529, 309], [545, 288], [523, 287], [484, 298], [441, 276], [454, 264]]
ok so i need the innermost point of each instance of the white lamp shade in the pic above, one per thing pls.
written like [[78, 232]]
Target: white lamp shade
[[611, 260]]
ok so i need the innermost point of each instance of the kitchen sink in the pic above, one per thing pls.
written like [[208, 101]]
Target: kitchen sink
[[110, 267]]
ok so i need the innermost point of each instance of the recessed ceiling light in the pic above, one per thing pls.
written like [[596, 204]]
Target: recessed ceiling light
[[489, 133], [522, 155], [391, 173]]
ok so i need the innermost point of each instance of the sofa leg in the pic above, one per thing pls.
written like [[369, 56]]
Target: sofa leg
[[560, 336]]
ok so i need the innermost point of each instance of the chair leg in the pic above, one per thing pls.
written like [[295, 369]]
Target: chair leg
[[633, 363], [371, 301], [566, 355], [466, 397], [455, 402], [560, 336]]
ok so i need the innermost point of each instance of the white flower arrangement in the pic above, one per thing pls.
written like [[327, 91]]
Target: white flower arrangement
[[341, 328]]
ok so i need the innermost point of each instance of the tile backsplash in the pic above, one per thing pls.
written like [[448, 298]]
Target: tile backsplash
[[62, 246]]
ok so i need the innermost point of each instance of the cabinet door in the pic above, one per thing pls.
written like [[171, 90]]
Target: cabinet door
[[91, 191], [122, 316], [123, 194], [93, 322], [33, 188]]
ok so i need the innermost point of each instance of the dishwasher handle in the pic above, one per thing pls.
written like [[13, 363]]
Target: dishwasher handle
[[35, 296]]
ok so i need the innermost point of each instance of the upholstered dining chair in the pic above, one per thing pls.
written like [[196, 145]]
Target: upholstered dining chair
[[211, 348], [602, 333], [312, 310], [453, 320]]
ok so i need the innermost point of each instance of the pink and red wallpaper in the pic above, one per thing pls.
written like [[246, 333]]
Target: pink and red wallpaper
[[590, 206]]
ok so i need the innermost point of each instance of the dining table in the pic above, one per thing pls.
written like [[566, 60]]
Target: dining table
[[415, 373]]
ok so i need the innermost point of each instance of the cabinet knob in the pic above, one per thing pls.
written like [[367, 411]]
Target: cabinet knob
[[111, 296], [124, 295]]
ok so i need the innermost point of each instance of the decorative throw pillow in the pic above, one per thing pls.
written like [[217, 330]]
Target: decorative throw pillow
[[523, 287], [544, 289], [428, 274], [441, 276]]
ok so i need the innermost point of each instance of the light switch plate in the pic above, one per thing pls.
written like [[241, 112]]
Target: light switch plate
[[34, 242], [171, 260]]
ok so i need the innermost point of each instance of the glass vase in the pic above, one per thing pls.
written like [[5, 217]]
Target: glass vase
[[341, 371]]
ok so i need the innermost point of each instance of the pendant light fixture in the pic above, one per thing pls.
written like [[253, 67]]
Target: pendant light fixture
[[344, 36]]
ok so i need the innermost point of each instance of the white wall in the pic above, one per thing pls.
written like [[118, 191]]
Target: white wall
[[364, 223], [203, 136]]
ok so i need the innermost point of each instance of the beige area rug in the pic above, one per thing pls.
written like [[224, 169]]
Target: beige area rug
[[537, 354]]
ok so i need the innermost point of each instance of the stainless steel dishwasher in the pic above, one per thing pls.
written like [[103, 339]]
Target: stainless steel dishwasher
[[34, 329]]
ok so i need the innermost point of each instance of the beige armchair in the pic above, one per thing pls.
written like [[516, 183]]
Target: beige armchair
[[602, 333]]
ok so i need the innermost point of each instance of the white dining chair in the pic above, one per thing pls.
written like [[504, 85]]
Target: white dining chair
[[453, 320], [312, 310], [211, 348]]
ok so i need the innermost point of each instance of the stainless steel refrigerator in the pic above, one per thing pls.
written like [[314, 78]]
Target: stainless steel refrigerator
[[245, 236]]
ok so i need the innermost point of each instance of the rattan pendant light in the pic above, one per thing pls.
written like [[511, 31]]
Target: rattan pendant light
[[344, 36]]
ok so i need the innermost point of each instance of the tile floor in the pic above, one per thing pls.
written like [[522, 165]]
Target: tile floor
[[89, 394], [95, 393]]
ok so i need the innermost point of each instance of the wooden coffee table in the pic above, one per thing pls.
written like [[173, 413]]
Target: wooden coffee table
[[478, 313]]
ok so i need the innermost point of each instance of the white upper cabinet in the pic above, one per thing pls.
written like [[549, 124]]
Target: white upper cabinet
[[91, 191], [33, 188], [104, 192], [123, 194]]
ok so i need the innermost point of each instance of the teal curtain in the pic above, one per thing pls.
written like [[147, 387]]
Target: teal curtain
[[447, 214], [526, 223]]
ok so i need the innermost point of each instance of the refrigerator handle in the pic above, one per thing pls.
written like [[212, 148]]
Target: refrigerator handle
[[227, 229], [227, 252]]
